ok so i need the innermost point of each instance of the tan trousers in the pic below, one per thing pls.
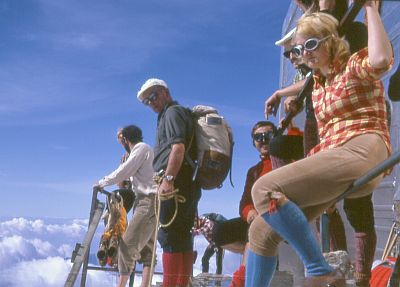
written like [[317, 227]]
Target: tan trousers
[[314, 183], [139, 235]]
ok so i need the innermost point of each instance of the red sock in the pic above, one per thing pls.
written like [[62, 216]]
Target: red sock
[[186, 269], [364, 257], [171, 265], [238, 277]]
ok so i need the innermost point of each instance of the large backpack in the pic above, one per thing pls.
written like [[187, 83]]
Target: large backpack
[[214, 145]]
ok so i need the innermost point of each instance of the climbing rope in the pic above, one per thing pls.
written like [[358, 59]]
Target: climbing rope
[[158, 178]]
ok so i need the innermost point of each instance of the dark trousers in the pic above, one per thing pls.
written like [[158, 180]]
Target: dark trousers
[[177, 237], [208, 253], [360, 213]]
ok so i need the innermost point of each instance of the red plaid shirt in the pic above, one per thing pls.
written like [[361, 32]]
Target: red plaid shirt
[[349, 103]]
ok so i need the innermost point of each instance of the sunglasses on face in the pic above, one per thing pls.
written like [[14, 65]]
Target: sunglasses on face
[[150, 99], [309, 45], [263, 137], [286, 54]]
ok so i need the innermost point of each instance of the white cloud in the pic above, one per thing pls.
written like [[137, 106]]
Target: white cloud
[[34, 253], [37, 227], [47, 272]]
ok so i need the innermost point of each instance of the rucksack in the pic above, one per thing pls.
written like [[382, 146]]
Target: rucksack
[[214, 145], [216, 217]]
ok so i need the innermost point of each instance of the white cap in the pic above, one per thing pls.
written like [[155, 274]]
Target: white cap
[[148, 84], [286, 38]]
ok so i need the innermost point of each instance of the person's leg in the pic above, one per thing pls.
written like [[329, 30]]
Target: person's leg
[[146, 260], [188, 214], [140, 230], [186, 270], [145, 276], [205, 260], [171, 264], [123, 279], [321, 178], [262, 255], [260, 269], [336, 230], [291, 224], [238, 278], [360, 213], [176, 239], [301, 182], [219, 260]]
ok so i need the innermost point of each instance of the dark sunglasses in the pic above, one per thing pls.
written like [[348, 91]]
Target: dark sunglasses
[[263, 137], [286, 54], [153, 97], [311, 44]]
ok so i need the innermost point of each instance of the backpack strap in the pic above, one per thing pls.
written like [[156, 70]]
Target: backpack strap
[[230, 165], [193, 164]]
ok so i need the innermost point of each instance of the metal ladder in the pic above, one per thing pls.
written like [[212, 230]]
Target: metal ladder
[[80, 256]]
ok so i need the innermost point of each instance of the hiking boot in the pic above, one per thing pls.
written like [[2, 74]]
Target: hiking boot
[[102, 253], [362, 284], [113, 246]]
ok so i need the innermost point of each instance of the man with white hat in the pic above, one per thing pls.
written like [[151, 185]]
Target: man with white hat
[[174, 134]]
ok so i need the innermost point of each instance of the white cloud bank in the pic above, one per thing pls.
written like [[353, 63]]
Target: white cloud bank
[[36, 253]]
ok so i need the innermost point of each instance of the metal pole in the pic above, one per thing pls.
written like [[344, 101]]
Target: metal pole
[[324, 231]]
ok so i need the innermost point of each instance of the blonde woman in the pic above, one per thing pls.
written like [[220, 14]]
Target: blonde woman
[[349, 104]]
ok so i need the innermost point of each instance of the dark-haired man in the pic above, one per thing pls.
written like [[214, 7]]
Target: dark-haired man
[[232, 234], [137, 241], [174, 134]]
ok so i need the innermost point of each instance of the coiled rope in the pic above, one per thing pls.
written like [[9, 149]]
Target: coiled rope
[[158, 178]]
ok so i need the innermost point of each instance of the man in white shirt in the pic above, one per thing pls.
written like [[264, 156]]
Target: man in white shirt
[[140, 232]]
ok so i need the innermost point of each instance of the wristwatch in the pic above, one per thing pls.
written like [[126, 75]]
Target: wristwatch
[[169, 178]]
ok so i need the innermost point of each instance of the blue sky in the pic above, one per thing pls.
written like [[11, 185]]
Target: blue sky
[[69, 75]]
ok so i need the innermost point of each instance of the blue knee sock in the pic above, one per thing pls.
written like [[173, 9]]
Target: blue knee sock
[[259, 269], [291, 224]]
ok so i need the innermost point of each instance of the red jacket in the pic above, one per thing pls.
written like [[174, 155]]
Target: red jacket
[[246, 203], [261, 168]]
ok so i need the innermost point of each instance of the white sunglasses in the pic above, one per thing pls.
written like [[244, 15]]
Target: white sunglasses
[[311, 44]]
